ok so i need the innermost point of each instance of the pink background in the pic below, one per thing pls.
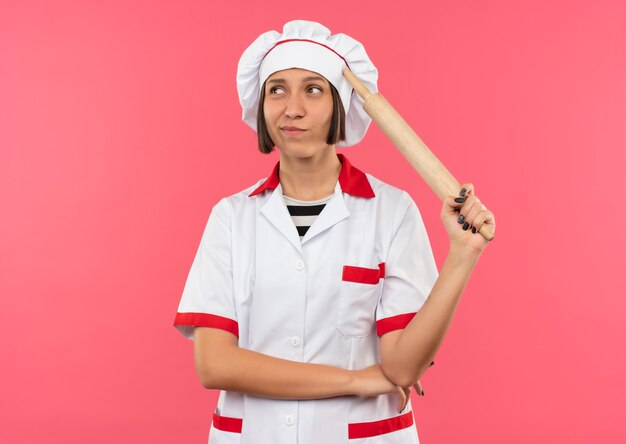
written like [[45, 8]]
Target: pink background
[[120, 128]]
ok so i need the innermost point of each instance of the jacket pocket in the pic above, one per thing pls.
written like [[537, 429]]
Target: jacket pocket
[[385, 431], [359, 293], [225, 429]]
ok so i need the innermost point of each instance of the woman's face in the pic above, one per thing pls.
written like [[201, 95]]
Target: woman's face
[[301, 100]]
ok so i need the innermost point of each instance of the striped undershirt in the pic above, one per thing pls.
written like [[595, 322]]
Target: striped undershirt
[[304, 212]]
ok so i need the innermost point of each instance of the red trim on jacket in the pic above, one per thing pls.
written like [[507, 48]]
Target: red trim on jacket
[[355, 429], [207, 320], [351, 180], [373, 428], [393, 323], [363, 275], [227, 424]]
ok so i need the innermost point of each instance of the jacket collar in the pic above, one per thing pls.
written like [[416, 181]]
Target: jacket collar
[[351, 180]]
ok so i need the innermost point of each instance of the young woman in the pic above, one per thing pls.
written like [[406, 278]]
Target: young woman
[[307, 297]]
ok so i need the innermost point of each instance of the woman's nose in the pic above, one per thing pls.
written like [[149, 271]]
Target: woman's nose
[[294, 107]]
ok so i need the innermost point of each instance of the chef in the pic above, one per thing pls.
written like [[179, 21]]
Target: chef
[[309, 326]]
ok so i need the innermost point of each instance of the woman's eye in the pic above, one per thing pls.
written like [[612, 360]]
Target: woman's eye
[[277, 89]]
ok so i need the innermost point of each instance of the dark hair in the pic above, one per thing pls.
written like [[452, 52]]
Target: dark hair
[[336, 133]]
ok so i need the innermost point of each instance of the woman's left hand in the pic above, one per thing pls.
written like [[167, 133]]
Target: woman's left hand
[[404, 400], [463, 215]]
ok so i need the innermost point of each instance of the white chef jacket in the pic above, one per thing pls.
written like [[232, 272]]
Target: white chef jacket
[[364, 268]]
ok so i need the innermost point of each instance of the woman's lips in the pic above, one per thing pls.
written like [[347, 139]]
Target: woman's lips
[[292, 132]]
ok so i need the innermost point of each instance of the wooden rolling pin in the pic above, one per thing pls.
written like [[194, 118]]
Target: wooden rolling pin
[[410, 145]]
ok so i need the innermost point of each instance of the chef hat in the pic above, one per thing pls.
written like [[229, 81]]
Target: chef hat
[[308, 45]]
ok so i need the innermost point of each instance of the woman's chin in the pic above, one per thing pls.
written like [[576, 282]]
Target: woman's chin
[[298, 149]]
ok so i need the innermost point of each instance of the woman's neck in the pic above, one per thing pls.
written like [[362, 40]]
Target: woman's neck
[[310, 178]]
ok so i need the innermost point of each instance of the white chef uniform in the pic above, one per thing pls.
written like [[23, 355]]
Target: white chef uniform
[[364, 268]]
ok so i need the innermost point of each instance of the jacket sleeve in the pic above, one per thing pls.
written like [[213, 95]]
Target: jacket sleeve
[[410, 273], [207, 299]]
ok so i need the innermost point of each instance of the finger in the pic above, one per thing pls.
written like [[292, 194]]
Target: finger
[[469, 189], [402, 398], [418, 388], [479, 220], [485, 217], [452, 205], [407, 396], [475, 208], [464, 217]]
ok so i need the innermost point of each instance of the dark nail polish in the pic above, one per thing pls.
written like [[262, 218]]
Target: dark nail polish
[[473, 229], [422, 392], [465, 226], [459, 199], [432, 363], [461, 219], [463, 190]]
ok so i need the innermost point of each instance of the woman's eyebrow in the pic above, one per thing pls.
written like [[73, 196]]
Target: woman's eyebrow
[[306, 79]]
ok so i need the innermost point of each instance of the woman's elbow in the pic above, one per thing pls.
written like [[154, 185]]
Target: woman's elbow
[[208, 378], [403, 379], [400, 375], [211, 369], [212, 356]]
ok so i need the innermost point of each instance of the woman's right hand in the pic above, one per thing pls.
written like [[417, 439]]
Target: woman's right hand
[[371, 381]]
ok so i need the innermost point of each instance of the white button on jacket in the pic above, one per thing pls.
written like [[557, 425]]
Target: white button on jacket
[[363, 268], [295, 341]]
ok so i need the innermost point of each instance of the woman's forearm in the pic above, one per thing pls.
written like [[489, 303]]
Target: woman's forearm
[[247, 371], [263, 375], [419, 341]]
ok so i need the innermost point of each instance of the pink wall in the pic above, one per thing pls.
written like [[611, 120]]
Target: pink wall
[[120, 128]]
